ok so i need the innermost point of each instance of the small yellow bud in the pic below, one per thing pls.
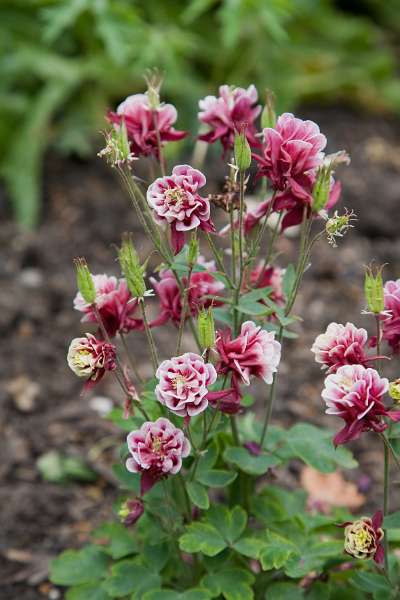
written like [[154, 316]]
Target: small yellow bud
[[394, 390]]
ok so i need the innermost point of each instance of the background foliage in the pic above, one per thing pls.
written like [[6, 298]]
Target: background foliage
[[64, 62]]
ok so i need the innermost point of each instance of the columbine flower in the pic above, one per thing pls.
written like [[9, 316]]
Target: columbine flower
[[91, 358], [131, 511], [363, 538], [254, 352], [202, 285], [391, 318], [269, 276], [175, 200], [226, 114], [354, 393], [114, 303], [341, 345], [183, 384], [142, 123], [156, 449]]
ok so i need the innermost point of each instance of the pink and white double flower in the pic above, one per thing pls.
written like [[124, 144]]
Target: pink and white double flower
[[183, 384], [156, 449], [175, 201], [341, 345], [391, 318], [355, 393]]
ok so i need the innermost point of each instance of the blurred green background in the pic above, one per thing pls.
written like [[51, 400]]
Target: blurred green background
[[65, 62]]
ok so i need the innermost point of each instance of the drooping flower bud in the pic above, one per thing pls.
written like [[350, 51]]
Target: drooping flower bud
[[268, 115], [322, 188], [154, 81], [373, 289], [84, 281], [193, 251], [131, 267], [131, 511], [206, 328], [394, 390], [242, 150]]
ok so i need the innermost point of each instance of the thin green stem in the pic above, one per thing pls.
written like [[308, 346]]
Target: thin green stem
[[233, 246], [185, 306], [234, 429], [129, 358], [159, 144], [150, 339], [270, 247], [186, 497], [218, 259]]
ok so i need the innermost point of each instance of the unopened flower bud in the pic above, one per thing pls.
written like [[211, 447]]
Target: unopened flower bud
[[268, 115], [84, 281], [206, 328], [242, 150], [394, 390], [373, 289], [117, 149], [154, 81], [321, 188], [193, 251], [131, 267], [131, 511]]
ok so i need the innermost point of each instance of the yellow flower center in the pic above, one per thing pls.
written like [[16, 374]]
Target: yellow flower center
[[178, 381], [157, 444], [175, 196]]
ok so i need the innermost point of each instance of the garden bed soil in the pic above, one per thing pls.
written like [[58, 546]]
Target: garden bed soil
[[41, 408]]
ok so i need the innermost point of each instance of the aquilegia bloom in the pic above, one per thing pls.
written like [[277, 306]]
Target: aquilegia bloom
[[91, 358], [183, 384], [341, 345], [226, 114], [391, 319], [175, 200], [142, 124], [354, 393], [363, 538], [156, 449], [254, 352], [114, 303]]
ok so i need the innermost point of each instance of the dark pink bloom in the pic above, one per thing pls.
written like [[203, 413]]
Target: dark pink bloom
[[131, 511], [183, 384], [115, 304], [269, 276], [234, 108], [156, 449], [363, 538], [354, 393], [202, 284], [226, 400], [341, 345], [254, 352], [291, 149], [391, 318], [175, 200], [90, 358], [142, 124]]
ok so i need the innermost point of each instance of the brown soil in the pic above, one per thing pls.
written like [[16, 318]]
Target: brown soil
[[84, 213]]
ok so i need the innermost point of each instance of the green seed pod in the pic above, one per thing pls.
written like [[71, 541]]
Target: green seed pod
[[84, 281], [373, 289], [242, 151], [268, 115], [206, 328], [131, 267], [321, 189], [394, 390]]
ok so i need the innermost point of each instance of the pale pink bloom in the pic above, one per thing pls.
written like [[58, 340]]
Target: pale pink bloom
[[269, 276], [355, 393], [391, 321], [115, 304], [142, 124], [202, 284], [254, 352], [90, 358], [234, 108], [175, 200], [341, 345], [183, 384], [156, 449]]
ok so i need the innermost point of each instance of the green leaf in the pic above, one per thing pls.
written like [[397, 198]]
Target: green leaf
[[370, 582], [79, 566], [275, 504], [288, 280], [249, 546], [312, 556], [392, 521], [314, 446], [156, 555], [120, 540], [223, 316], [229, 523], [87, 591], [216, 477], [285, 591], [202, 537], [247, 462], [128, 577], [164, 594], [129, 481], [276, 552], [233, 584], [198, 495]]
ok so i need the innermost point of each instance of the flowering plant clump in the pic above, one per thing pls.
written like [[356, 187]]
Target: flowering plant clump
[[202, 514]]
